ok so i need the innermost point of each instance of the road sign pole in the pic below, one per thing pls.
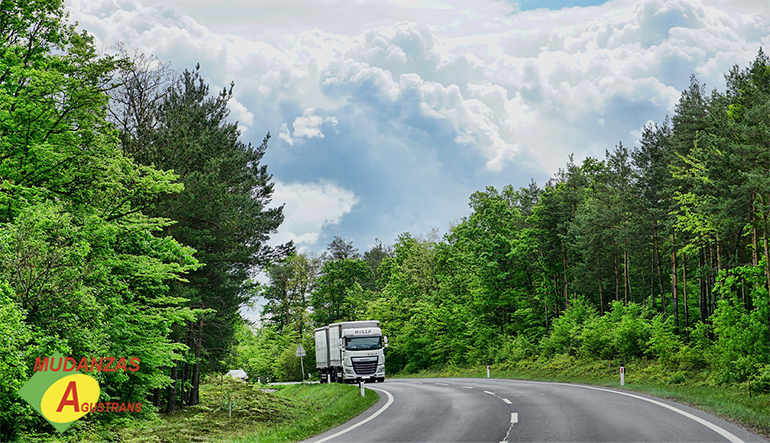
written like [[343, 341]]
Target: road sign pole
[[301, 353]]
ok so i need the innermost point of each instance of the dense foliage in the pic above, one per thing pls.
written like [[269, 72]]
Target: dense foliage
[[103, 250], [658, 252]]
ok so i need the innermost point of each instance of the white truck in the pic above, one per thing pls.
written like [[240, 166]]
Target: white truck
[[350, 351]]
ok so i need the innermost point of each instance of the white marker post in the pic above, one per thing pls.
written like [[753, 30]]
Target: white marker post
[[361, 383], [487, 371], [622, 375], [301, 353]]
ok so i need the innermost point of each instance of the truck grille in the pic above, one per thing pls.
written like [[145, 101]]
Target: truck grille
[[365, 367]]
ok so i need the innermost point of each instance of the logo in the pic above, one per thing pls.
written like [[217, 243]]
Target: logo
[[62, 394]]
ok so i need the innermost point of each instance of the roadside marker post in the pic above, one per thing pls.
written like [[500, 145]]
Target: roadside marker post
[[301, 353], [487, 371], [361, 383], [622, 375]]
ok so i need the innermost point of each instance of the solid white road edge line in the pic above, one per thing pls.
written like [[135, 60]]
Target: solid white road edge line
[[724, 433], [368, 419]]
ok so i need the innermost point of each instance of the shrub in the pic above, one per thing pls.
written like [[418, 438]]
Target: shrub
[[630, 330], [565, 337], [741, 344], [761, 381], [662, 344], [597, 339]]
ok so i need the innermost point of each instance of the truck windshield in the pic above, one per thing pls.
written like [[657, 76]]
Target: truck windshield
[[364, 343]]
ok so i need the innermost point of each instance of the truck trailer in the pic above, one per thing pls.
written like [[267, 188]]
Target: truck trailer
[[350, 351]]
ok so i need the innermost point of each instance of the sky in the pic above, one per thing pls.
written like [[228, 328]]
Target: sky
[[386, 115]]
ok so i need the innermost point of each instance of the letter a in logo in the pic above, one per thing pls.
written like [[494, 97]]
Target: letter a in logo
[[72, 388]]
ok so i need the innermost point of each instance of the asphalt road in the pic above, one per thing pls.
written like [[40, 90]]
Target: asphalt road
[[492, 410]]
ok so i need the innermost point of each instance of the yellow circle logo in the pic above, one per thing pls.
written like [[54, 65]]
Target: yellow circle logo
[[64, 400]]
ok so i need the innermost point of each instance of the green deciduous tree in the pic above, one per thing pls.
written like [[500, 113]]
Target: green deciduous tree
[[84, 266], [292, 281], [338, 292]]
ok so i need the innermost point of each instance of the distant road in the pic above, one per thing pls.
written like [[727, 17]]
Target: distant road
[[493, 410]]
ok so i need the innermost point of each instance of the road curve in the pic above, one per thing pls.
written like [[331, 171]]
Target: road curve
[[497, 410]]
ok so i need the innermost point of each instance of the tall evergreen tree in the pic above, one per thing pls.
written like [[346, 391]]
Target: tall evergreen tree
[[223, 211]]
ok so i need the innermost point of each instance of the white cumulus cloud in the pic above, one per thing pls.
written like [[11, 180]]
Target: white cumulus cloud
[[309, 208], [306, 126]]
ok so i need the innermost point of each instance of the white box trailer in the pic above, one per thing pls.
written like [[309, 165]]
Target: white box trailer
[[350, 351]]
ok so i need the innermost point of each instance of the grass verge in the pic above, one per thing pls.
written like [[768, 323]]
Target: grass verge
[[291, 413], [729, 401], [323, 407]]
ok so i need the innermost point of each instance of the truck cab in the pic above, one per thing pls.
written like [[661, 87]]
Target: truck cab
[[348, 352], [362, 354]]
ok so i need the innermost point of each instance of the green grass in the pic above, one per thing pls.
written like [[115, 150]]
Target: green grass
[[694, 388], [324, 407], [292, 413]]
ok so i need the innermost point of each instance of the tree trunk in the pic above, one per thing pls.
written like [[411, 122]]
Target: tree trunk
[[171, 399], [601, 283], [702, 287], [712, 281], [754, 236], [196, 376], [617, 280], [658, 264], [184, 385], [156, 397], [556, 293], [196, 381], [684, 291], [627, 278], [674, 285], [767, 253], [719, 266], [545, 307], [564, 267]]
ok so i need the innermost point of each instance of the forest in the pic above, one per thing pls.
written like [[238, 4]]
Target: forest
[[132, 217], [656, 252], [134, 221]]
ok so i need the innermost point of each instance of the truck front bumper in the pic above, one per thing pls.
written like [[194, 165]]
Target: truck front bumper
[[350, 375]]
